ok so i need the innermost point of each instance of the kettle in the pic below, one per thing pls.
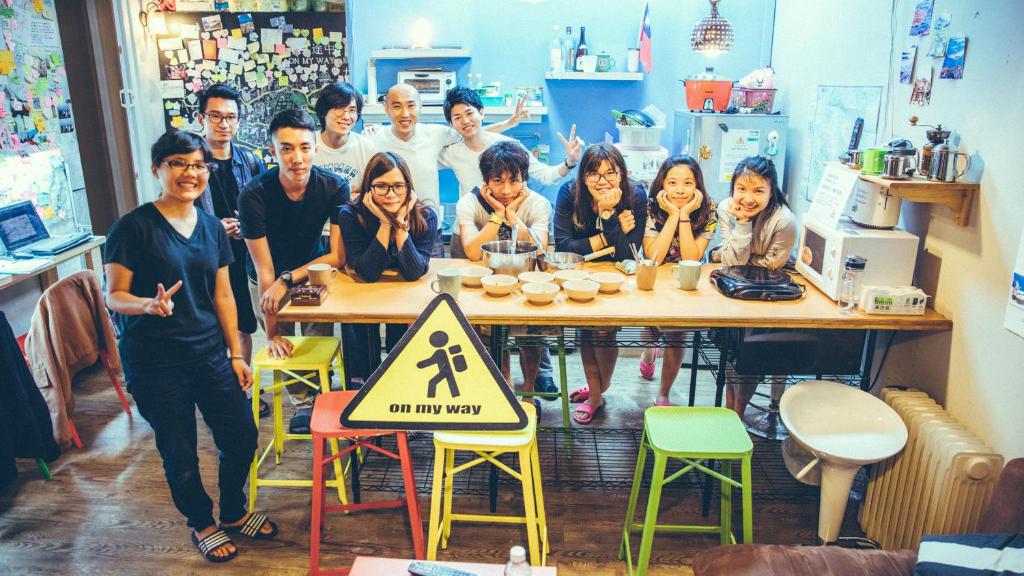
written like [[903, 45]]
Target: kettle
[[943, 165]]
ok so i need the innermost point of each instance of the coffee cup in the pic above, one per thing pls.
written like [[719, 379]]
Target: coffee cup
[[687, 273], [646, 274], [321, 274], [605, 62], [588, 63], [448, 282], [874, 160]]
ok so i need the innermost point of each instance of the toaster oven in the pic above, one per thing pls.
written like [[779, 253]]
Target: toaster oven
[[431, 84]]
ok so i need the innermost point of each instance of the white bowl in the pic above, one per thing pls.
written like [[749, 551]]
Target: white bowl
[[540, 292], [610, 281], [471, 275], [535, 276], [499, 284], [581, 290], [561, 276]]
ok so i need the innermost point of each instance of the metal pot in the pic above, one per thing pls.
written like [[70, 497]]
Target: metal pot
[[856, 159], [899, 166], [562, 260], [497, 256]]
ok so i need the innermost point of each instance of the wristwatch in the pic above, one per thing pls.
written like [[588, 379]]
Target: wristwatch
[[567, 165], [286, 277]]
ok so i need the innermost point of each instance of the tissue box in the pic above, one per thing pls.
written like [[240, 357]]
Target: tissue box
[[906, 300]]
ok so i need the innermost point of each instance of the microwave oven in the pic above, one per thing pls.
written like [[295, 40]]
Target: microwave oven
[[891, 254], [431, 84]]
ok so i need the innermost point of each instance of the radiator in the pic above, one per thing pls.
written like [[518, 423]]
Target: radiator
[[939, 484]]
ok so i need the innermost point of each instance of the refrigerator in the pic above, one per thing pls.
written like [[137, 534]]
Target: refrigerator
[[719, 141]]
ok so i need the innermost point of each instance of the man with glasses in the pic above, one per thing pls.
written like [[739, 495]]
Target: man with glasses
[[341, 150], [232, 168], [283, 213]]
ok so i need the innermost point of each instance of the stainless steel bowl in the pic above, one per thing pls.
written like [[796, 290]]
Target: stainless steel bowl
[[497, 257], [562, 260]]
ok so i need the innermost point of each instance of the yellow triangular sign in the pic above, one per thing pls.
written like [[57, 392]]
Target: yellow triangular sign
[[438, 377]]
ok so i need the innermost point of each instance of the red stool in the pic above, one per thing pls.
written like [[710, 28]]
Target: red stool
[[325, 425]]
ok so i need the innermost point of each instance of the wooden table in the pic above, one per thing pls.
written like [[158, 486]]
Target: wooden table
[[48, 274], [373, 566], [394, 300]]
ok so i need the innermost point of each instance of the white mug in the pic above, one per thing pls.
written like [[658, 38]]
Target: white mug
[[321, 274], [588, 63]]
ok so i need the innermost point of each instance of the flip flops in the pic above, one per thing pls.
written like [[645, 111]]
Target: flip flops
[[584, 413], [252, 526], [580, 395], [647, 368], [207, 545], [663, 403]]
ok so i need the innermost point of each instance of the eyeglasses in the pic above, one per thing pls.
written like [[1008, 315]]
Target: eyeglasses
[[383, 189], [181, 166], [609, 177], [219, 119]]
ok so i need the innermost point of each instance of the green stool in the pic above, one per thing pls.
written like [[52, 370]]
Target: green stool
[[692, 435]]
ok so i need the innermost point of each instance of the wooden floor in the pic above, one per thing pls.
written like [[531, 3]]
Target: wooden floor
[[108, 510]]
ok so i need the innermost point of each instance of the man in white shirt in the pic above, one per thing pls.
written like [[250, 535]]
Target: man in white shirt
[[420, 145], [341, 150], [465, 114]]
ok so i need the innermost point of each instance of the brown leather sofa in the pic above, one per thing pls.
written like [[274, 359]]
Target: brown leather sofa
[[1005, 514]]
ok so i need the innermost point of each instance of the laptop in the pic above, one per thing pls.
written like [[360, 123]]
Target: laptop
[[23, 231]]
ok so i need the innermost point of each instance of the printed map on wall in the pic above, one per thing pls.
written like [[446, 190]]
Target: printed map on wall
[[835, 110], [39, 158], [277, 61]]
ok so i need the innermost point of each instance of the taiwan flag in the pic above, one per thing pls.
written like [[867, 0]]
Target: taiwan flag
[[645, 41]]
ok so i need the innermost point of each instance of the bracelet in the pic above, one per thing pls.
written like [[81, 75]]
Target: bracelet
[[237, 357], [681, 220], [566, 162]]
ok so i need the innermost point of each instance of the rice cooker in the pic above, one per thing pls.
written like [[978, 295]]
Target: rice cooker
[[874, 206]]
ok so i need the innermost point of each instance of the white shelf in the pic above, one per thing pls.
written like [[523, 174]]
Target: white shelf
[[627, 76], [413, 54], [375, 114]]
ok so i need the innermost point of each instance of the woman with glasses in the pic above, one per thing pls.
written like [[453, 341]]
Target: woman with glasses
[[599, 209], [386, 228], [167, 278]]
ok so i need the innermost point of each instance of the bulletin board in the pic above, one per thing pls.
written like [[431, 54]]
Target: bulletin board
[[276, 60], [39, 159]]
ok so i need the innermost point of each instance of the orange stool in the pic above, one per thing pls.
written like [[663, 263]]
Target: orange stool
[[326, 425]]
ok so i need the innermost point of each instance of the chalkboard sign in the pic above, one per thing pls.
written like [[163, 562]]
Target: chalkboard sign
[[277, 61]]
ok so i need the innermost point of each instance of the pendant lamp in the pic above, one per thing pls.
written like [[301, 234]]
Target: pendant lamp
[[713, 34]]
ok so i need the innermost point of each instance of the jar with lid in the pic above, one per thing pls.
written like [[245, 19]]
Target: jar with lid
[[849, 285]]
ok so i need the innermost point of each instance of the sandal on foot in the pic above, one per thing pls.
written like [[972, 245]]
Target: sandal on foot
[[580, 395], [264, 408], [212, 542], [584, 413], [252, 527], [663, 403], [647, 368]]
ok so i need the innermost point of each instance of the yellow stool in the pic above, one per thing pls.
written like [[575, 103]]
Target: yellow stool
[[488, 446], [311, 356]]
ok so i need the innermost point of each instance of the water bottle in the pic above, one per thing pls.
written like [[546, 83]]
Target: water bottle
[[849, 285], [555, 50], [517, 564]]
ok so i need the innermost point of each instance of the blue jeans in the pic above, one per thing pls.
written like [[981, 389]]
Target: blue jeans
[[167, 398]]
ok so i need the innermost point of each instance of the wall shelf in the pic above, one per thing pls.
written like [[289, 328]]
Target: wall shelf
[[626, 76], [957, 196], [375, 114]]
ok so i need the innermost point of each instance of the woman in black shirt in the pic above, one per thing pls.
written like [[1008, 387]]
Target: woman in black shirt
[[167, 277]]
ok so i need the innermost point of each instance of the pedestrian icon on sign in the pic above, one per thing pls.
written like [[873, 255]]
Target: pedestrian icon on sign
[[444, 363]]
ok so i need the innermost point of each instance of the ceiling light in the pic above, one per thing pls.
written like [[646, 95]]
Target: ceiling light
[[713, 34]]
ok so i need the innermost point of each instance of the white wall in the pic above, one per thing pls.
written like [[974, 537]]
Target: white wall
[[977, 370]]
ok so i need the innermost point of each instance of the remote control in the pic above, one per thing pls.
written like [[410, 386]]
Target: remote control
[[425, 569]]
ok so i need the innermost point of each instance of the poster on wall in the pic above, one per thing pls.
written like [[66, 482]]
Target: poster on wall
[[1015, 303], [38, 140], [953, 64], [277, 61]]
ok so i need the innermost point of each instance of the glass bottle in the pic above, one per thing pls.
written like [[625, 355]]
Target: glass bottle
[[517, 564], [581, 47], [555, 50], [570, 50], [849, 284]]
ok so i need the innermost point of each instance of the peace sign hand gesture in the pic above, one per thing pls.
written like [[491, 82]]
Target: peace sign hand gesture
[[573, 146], [161, 304], [521, 113]]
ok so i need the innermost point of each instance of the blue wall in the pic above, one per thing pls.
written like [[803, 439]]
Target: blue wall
[[509, 41]]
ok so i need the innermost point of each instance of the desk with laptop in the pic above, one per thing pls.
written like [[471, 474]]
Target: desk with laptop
[[30, 250]]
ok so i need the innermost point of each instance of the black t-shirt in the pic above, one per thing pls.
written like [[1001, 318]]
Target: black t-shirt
[[224, 188], [145, 242], [292, 229]]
